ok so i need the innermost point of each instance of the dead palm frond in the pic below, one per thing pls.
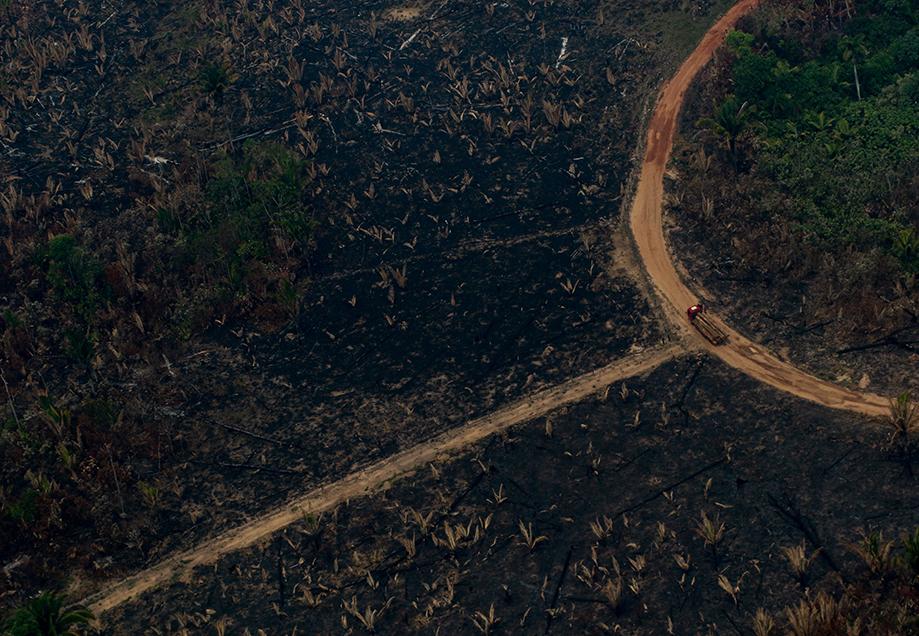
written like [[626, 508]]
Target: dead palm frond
[[602, 528], [904, 424], [875, 552], [530, 539], [485, 622], [367, 617], [815, 617], [612, 592], [711, 531], [799, 560], [763, 623]]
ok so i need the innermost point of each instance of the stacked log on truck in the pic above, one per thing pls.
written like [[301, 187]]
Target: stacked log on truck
[[709, 330]]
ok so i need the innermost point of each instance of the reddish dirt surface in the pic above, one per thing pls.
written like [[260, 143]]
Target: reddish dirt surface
[[646, 216], [377, 475], [646, 223]]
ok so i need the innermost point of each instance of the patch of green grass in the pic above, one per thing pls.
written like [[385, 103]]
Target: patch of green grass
[[214, 79], [11, 320], [102, 413], [47, 615], [164, 112], [681, 30], [79, 346], [23, 509], [167, 221], [14, 433]]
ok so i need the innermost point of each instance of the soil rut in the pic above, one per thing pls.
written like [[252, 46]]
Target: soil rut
[[646, 223]]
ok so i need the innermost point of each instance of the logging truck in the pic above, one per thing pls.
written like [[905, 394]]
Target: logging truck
[[709, 330]]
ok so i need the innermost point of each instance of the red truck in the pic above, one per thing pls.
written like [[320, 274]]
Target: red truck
[[709, 330]]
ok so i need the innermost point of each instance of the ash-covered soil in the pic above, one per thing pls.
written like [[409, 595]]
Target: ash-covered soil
[[465, 176], [585, 521]]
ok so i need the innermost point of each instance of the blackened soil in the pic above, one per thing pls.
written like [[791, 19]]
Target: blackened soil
[[643, 465], [466, 186]]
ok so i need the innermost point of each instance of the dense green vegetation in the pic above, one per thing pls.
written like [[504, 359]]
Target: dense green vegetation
[[245, 241], [806, 165], [72, 274], [256, 211], [839, 127]]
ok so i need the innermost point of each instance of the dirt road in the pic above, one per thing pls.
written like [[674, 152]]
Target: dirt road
[[376, 476], [646, 226], [647, 229]]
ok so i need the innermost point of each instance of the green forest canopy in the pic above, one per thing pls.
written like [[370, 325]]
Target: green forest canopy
[[837, 127]]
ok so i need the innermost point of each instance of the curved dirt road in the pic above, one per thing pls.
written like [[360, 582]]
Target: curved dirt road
[[645, 221], [646, 224]]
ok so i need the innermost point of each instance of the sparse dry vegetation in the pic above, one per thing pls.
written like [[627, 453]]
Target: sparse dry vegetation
[[249, 245], [619, 552]]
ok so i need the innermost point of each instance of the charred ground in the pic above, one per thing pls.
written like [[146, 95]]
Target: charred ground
[[592, 520], [249, 246]]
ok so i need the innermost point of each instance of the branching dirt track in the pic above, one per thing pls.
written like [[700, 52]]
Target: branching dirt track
[[376, 476], [645, 219]]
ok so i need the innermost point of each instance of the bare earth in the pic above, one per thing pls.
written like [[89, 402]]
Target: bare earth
[[377, 476], [645, 220]]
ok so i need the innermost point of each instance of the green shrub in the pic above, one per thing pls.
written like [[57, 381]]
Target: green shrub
[[905, 51], [906, 249], [79, 345], [740, 42], [167, 221], [214, 78], [911, 547], [263, 190], [24, 509], [101, 414], [46, 615], [11, 320], [252, 200]]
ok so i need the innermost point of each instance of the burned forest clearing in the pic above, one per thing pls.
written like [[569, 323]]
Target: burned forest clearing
[[362, 318]]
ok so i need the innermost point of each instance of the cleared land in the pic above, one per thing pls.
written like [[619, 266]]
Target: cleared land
[[454, 204], [611, 493], [378, 476], [788, 378]]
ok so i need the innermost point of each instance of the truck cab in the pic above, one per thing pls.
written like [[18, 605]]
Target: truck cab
[[695, 310]]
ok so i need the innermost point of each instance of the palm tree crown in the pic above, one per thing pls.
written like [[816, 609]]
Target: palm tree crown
[[46, 615]]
